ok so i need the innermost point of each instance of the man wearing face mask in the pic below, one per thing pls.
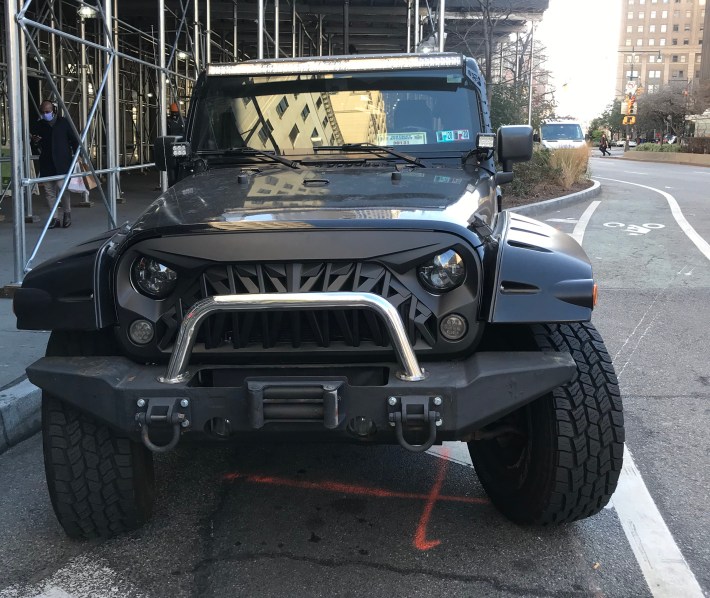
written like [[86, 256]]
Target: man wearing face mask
[[54, 139]]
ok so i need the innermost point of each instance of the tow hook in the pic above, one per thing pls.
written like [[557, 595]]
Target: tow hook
[[414, 412], [161, 413]]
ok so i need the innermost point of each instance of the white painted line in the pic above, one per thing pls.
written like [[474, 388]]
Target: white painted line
[[83, 576], [684, 225], [629, 172], [663, 566], [666, 571], [453, 451], [581, 226]]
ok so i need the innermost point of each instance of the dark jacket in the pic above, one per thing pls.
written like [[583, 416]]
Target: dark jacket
[[56, 146]]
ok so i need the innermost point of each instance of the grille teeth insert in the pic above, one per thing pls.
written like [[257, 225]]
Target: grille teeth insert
[[299, 329]]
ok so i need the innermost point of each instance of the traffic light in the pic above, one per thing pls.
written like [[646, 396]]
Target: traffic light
[[629, 120], [632, 106]]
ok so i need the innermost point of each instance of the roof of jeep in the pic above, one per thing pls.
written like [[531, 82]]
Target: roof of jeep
[[338, 64]]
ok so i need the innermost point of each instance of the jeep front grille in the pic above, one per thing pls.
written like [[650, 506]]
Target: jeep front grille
[[301, 329]]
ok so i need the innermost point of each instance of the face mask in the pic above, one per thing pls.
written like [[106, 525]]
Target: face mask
[[49, 116]]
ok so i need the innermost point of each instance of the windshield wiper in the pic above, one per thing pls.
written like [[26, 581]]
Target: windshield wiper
[[371, 147], [252, 151]]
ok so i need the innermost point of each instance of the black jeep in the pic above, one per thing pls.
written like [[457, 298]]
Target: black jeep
[[330, 262]]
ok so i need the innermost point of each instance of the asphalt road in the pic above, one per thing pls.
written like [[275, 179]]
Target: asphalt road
[[299, 520]]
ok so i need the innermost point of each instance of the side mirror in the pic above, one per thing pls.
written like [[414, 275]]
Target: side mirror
[[515, 144]]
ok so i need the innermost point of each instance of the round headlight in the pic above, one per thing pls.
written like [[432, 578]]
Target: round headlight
[[444, 272], [153, 278]]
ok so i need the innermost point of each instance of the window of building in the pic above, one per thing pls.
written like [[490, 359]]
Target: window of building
[[674, 58], [293, 135], [629, 28], [674, 42], [629, 15], [263, 135], [675, 27], [628, 42], [651, 42], [686, 42], [664, 28], [639, 29], [688, 14], [686, 27], [305, 112], [683, 58], [698, 57], [662, 41], [325, 121], [641, 15], [639, 42], [319, 103], [664, 14], [282, 106], [652, 29], [653, 14]]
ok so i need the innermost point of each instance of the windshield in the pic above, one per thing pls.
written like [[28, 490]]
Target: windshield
[[297, 113], [562, 132]]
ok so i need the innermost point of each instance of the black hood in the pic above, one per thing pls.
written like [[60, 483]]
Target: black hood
[[228, 198]]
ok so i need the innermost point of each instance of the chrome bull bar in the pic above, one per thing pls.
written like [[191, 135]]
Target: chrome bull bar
[[177, 368]]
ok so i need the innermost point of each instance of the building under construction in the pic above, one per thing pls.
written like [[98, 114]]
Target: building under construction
[[115, 67]]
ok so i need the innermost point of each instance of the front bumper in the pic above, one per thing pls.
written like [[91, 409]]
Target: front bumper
[[330, 403], [370, 402]]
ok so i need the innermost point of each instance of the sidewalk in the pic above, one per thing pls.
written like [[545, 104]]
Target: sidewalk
[[19, 399]]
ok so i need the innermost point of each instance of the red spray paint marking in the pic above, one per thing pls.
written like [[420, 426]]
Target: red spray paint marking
[[430, 499], [420, 541]]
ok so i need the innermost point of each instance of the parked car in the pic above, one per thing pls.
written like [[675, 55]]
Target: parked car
[[330, 262]]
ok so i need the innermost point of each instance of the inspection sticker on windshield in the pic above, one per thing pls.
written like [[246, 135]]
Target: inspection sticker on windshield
[[417, 138], [455, 135]]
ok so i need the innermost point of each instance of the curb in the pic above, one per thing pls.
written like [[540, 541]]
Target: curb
[[19, 413], [559, 202], [20, 403]]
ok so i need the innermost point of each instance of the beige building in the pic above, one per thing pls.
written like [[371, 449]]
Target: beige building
[[661, 43]]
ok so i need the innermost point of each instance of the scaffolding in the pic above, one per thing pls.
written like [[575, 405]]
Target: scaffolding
[[114, 68]]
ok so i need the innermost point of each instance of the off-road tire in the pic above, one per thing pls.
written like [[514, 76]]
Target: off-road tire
[[100, 482], [563, 464]]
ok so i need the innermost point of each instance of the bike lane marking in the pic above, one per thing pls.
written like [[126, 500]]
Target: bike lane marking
[[581, 226], [662, 564], [677, 213]]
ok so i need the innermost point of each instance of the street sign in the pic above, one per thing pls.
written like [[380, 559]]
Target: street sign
[[631, 87]]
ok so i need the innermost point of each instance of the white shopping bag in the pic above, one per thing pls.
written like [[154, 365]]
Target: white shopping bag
[[76, 183]]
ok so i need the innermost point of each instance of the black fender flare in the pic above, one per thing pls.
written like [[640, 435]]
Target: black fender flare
[[542, 274]]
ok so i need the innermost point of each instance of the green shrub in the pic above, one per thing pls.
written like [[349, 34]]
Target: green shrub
[[657, 147], [559, 168], [648, 147]]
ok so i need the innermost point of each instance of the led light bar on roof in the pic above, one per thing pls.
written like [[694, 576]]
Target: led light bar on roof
[[338, 64]]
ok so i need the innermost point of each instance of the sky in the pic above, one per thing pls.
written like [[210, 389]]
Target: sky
[[582, 39]]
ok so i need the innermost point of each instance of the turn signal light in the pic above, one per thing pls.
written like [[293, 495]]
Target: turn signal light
[[594, 295]]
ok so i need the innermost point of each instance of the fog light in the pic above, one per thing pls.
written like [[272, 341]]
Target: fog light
[[141, 332], [453, 327]]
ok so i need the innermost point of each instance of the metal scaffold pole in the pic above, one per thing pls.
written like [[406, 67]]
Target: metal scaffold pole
[[162, 96], [14, 95], [111, 154]]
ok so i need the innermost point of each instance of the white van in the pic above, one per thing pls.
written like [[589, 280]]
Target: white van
[[556, 134]]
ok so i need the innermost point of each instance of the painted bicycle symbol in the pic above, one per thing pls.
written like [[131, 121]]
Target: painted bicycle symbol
[[635, 229]]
